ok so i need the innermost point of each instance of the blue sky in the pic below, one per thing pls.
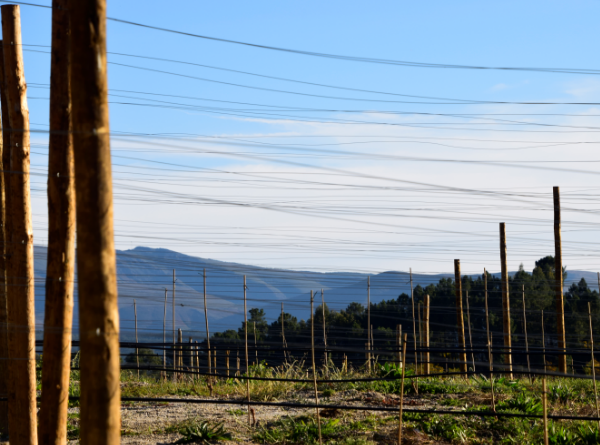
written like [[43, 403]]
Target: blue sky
[[215, 215]]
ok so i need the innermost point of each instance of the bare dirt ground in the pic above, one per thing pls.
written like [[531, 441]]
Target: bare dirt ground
[[149, 423]]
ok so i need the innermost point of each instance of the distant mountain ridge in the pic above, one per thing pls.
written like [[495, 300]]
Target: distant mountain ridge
[[144, 273]]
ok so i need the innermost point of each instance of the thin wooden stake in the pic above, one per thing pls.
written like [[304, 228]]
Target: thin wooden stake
[[426, 334], [6, 243], [165, 335], [246, 341], [505, 302], [401, 405], [227, 363], [206, 322], [369, 323], [558, 286], [314, 367], [490, 358], [324, 332], [593, 363], [543, 342], [21, 299], [412, 299], [545, 408], [180, 351], [60, 269], [137, 354], [469, 325], [215, 359], [459, 317], [237, 371], [255, 345], [197, 361], [174, 327], [526, 339], [283, 333], [489, 338], [419, 321]]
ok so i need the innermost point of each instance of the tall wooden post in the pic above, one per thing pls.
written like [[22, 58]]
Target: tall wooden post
[[558, 280], [460, 324], [21, 313], [60, 271], [505, 301], [96, 261], [426, 334], [5, 251], [369, 322]]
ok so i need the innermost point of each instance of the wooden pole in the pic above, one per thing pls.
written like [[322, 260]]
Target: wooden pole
[[283, 336], [545, 409], [593, 363], [174, 328], [505, 302], [206, 321], [246, 341], [558, 280], [180, 351], [137, 355], [197, 352], [314, 366], [190, 355], [324, 332], [401, 405], [369, 323], [525, 332], [165, 334], [399, 358], [459, 317], [419, 321], [426, 334], [215, 360], [543, 342], [469, 325], [227, 363], [21, 314], [489, 339], [96, 262], [412, 299], [5, 157], [60, 270], [372, 346]]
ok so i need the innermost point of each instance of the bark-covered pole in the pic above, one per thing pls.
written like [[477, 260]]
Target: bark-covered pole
[[60, 271], [21, 314], [96, 262], [460, 323], [558, 287], [5, 250], [505, 302]]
